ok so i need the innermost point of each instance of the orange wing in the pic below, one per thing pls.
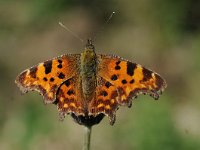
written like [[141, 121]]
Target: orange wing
[[126, 80], [47, 77], [69, 98], [105, 101]]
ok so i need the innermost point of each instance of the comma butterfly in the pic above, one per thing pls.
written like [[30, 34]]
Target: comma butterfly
[[89, 86]]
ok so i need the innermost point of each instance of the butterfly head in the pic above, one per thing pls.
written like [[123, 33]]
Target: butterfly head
[[89, 52], [89, 46]]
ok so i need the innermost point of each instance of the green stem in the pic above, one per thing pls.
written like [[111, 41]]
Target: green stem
[[87, 137]]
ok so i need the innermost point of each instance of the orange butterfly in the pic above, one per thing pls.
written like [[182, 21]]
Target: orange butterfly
[[88, 85]]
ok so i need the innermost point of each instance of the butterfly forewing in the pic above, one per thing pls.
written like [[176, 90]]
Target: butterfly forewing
[[46, 77], [129, 78]]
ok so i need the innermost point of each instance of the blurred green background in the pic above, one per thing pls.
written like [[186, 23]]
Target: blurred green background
[[163, 35]]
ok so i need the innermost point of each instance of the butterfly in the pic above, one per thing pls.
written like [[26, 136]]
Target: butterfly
[[89, 86]]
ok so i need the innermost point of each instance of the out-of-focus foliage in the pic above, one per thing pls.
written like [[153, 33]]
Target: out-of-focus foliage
[[161, 35]]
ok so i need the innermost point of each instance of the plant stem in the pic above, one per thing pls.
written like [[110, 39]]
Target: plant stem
[[87, 135]]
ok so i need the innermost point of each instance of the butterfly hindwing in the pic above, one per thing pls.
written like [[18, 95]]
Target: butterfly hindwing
[[46, 77], [105, 100], [129, 78], [69, 98]]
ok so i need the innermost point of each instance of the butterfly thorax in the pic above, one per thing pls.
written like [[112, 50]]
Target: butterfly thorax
[[88, 71]]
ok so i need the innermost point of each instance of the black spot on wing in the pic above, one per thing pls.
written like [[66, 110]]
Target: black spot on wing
[[45, 79], [67, 83], [61, 75], [59, 66], [130, 68], [117, 67], [51, 79], [48, 66], [108, 84], [103, 93], [132, 81], [114, 77], [124, 81], [118, 62], [59, 61], [70, 92]]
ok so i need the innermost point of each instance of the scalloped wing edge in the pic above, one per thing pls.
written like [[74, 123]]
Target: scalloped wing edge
[[24, 89]]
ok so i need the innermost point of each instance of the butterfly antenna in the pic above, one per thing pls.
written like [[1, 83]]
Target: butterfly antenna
[[110, 17], [107, 21], [66, 28]]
